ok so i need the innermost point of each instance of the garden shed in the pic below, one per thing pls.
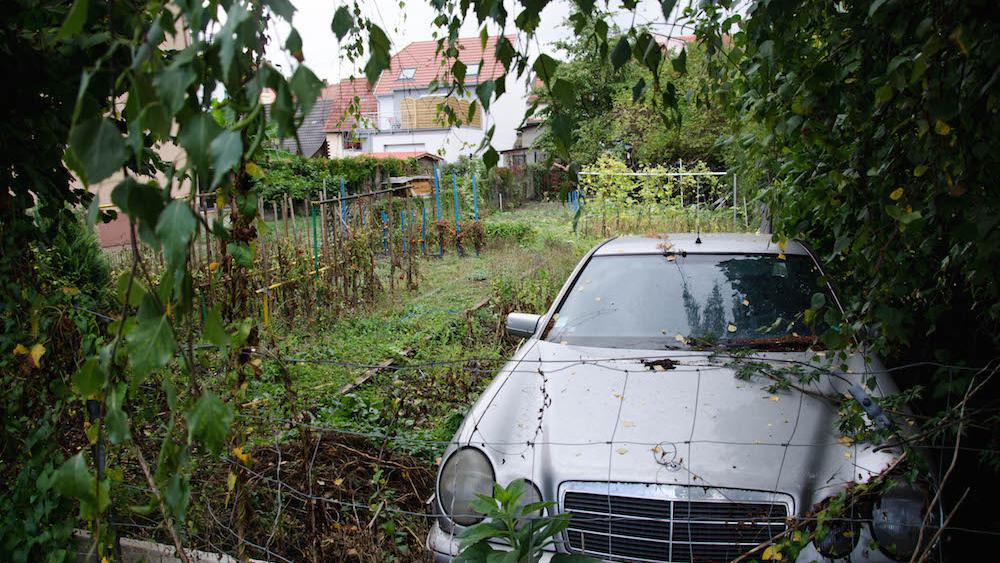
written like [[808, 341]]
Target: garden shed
[[416, 186]]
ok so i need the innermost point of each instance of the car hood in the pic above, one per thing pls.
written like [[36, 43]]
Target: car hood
[[566, 413]]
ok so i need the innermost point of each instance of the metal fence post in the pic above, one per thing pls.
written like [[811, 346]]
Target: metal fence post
[[734, 201]]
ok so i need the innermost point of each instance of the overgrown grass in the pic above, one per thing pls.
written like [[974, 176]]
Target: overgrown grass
[[528, 255]]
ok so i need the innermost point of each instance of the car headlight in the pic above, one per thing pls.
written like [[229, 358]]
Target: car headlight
[[896, 520], [467, 473], [530, 495]]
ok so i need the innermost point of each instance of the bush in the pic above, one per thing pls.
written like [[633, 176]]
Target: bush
[[47, 336], [285, 174]]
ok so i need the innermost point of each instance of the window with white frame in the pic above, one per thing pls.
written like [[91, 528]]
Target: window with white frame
[[472, 70]]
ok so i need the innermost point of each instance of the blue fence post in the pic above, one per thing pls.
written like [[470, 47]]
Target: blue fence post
[[343, 203], [385, 232], [413, 221], [402, 228], [458, 224], [475, 200], [437, 203], [423, 227]]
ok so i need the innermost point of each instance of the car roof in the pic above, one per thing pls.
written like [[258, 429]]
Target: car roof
[[711, 243]]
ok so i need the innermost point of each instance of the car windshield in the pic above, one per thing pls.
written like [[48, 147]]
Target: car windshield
[[673, 301]]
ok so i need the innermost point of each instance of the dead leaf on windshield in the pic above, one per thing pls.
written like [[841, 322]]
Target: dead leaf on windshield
[[731, 327], [746, 302]]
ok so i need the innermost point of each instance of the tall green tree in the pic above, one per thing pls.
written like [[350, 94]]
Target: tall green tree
[[613, 111]]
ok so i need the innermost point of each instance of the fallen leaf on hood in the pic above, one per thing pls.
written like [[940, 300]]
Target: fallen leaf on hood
[[657, 450], [775, 398], [848, 455], [628, 424], [846, 440], [622, 451], [680, 338]]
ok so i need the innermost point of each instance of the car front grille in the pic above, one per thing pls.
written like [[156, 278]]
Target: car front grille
[[663, 524]]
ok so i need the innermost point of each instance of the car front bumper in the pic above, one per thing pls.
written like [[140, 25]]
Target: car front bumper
[[443, 547]]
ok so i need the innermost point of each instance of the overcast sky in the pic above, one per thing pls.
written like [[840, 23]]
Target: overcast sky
[[413, 22]]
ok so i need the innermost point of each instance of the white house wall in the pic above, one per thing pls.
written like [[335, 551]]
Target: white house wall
[[451, 143]]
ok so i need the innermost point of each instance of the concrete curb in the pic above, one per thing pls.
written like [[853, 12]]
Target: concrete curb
[[141, 551]]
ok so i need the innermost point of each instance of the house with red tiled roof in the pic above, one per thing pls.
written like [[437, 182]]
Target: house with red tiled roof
[[352, 117], [407, 101]]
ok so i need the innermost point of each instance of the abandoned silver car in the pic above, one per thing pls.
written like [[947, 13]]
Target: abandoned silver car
[[628, 406]]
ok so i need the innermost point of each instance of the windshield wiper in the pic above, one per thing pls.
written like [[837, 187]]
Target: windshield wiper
[[789, 342]]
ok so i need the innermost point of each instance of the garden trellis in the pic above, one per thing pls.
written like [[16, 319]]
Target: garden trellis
[[657, 198]]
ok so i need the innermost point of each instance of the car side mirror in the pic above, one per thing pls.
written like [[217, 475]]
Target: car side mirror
[[522, 325]]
